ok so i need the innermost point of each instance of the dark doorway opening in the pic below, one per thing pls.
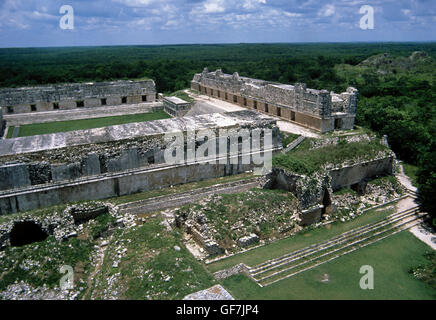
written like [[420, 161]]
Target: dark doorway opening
[[338, 124], [124, 100], [26, 232], [235, 99], [327, 203], [80, 104], [103, 101], [56, 106], [266, 108], [144, 98], [33, 107], [255, 105], [279, 112], [292, 116]]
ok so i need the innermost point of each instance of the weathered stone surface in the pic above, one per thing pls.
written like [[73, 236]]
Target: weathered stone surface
[[14, 176], [248, 240], [76, 95], [175, 106], [317, 109], [215, 293]]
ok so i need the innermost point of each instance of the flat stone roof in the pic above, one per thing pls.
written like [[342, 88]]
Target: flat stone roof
[[129, 131], [176, 100]]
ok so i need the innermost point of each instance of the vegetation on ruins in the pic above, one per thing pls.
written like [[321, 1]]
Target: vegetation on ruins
[[143, 260], [266, 213], [307, 161], [397, 89]]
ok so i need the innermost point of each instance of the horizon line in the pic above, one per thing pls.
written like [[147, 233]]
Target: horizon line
[[220, 43]]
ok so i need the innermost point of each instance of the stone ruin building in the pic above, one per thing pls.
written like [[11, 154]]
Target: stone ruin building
[[45, 170], [76, 95], [175, 106], [316, 109]]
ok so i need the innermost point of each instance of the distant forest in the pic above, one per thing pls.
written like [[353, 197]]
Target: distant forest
[[397, 90]]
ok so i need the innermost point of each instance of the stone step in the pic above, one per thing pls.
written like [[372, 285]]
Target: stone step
[[348, 248], [317, 246], [294, 144], [355, 237]]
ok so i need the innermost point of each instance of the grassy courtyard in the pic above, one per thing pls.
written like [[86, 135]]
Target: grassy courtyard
[[391, 258], [63, 126]]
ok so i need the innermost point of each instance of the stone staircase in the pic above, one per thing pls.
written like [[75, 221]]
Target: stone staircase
[[294, 144], [296, 262]]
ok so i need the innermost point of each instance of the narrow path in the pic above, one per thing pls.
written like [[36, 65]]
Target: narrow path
[[421, 231]]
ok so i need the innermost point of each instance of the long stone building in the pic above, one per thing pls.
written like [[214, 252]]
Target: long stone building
[[76, 95], [46, 170], [316, 109]]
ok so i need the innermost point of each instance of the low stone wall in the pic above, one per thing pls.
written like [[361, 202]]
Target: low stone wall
[[353, 174]]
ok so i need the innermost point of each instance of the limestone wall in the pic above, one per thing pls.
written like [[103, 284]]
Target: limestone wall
[[1, 123], [311, 192], [78, 95], [349, 175], [176, 107], [95, 164], [315, 109]]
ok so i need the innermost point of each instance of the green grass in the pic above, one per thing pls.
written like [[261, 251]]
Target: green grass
[[63, 126], [306, 161], [300, 240], [151, 268], [10, 132], [410, 170], [38, 263], [288, 138], [391, 258]]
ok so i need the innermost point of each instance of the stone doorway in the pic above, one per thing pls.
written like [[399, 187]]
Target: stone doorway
[[26, 232], [327, 203]]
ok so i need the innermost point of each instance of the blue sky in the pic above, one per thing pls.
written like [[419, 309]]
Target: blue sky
[[29, 23]]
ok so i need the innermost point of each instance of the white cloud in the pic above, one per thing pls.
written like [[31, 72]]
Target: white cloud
[[135, 3], [252, 4], [327, 11], [214, 6]]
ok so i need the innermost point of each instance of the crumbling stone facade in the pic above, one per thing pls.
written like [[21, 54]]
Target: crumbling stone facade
[[40, 171], [175, 106], [76, 95], [316, 109]]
